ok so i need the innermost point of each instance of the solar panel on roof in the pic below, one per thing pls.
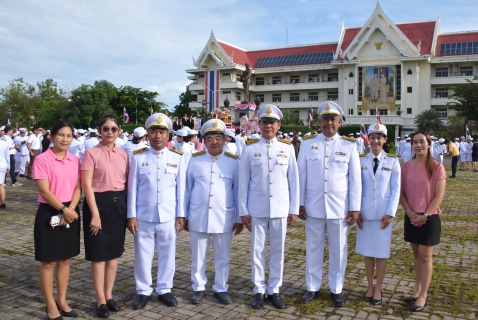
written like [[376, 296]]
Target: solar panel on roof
[[455, 48], [295, 59]]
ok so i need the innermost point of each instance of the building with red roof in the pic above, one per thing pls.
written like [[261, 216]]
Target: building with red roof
[[399, 69]]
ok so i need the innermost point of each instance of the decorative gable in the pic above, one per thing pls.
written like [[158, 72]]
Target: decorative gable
[[213, 51]]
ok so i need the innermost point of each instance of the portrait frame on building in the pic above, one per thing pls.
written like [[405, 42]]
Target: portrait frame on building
[[379, 87]]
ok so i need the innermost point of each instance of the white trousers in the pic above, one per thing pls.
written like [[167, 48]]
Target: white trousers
[[23, 163], [221, 243], [337, 230], [277, 229], [164, 236]]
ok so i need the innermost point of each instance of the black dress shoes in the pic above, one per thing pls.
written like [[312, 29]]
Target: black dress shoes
[[197, 297], [168, 299], [415, 308], [377, 302], [102, 311], [310, 296], [223, 297], [368, 299], [57, 318], [69, 314], [257, 301], [140, 301], [112, 305], [410, 299], [338, 299], [277, 300]]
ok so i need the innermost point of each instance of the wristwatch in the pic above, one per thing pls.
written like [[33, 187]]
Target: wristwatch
[[62, 209], [428, 216]]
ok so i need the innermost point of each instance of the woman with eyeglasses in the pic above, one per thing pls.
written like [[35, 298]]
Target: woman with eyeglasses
[[104, 170], [423, 189]]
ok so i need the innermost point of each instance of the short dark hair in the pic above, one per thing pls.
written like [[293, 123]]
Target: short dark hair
[[59, 125], [106, 117], [35, 128]]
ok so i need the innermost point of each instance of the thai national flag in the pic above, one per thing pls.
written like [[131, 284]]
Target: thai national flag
[[467, 134], [125, 116], [377, 114], [211, 90], [363, 134], [311, 112]]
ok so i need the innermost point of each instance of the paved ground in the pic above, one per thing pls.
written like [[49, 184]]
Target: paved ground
[[453, 293]]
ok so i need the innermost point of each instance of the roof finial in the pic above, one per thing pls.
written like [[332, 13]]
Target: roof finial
[[378, 7]]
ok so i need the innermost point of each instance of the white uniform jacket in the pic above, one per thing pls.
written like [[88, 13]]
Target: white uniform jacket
[[329, 174], [380, 191], [211, 192], [268, 179], [360, 145], [185, 148], [156, 185]]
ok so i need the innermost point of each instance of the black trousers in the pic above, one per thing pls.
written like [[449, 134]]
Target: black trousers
[[12, 169]]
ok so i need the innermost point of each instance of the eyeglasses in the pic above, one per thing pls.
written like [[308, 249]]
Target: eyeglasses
[[112, 129]]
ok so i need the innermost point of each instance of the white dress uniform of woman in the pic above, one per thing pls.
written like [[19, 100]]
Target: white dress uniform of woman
[[268, 195], [407, 151], [380, 195], [212, 216], [230, 146], [4, 160], [183, 146], [23, 154], [156, 183], [130, 147]]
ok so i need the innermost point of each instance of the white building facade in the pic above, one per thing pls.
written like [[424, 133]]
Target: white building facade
[[401, 69]]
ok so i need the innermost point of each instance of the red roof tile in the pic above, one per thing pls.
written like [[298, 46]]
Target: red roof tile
[[417, 31], [241, 57], [455, 37], [349, 35]]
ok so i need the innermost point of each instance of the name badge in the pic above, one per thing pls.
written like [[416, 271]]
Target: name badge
[[387, 169], [282, 155], [339, 153], [172, 165]]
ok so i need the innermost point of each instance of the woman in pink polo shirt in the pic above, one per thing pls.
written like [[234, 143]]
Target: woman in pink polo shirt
[[104, 169], [57, 176], [423, 189]]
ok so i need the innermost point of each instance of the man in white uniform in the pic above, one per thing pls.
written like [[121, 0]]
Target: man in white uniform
[[214, 172], [23, 154], [397, 146], [182, 145], [407, 151], [268, 202], [156, 210], [441, 149], [462, 148], [33, 145], [359, 143], [330, 195]]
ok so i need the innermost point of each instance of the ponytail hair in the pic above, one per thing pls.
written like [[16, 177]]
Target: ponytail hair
[[430, 163]]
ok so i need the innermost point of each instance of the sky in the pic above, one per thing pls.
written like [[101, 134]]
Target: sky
[[149, 44]]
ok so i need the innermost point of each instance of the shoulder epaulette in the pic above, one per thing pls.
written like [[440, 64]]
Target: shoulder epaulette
[[251, 141], [362, 155], [140, 150], [177, 151], [349, 138], [310, 136], [284, 141], [230, 155], [393, 155], [195, 154]]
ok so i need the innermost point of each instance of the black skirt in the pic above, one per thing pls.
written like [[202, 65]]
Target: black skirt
[[427, 235], [53, 244], [108, 243]]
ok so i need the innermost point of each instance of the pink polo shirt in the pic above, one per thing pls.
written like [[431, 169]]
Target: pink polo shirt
[[110, 167], [62, 174]]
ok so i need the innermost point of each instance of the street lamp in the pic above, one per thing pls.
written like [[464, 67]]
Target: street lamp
[[204, 104]]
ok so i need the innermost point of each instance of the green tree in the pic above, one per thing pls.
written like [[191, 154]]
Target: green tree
[[290, 118], [457, 126], [23, 100], [429, 121], [465, 99], [183, 106], [53, 103]]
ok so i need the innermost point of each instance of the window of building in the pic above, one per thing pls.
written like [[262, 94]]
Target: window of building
[[276, 97], [441, 92], [360, 82], [201, 76], [194, 98], [351, 75], [226, 92], [409, 110], [381, 112], [332, 95], [359, 113], [260, 81], [314, 77], [409, 71], [333, 76], [409, 89], [296, 112], [351, 111], [226, 74], [351, 91], [277, 80], [238, 96], [399, 82], [238, 78], [260, 96], [201, 93], [443, 112], [294, 96], [294, 79], [314, 96], [466, 71], [441, 72]]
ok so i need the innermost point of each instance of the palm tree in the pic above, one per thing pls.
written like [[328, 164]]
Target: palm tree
[[429, 121], [289, 117]]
